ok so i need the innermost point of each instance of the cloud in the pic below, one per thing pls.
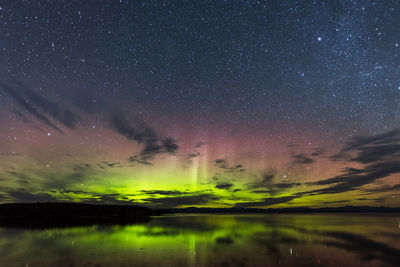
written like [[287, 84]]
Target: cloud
[[21, 116], [108, 199], [162, 192], [224, 186], [3, 198], [69, 191], [138, 159], [193, 155], [266, 202], [28, 107], [285, 185], [223, 164], [98, 198], [371, 149], [63, 115], [380, 156], [380, 139], [335, 202], [236, 168], [222, 183], [382, 189], [49, 178], [74, 174], [266, 180], [111, 164], [48, 112], [318, 152], [19, 177], [376, 153], [276, 188], [141, 134], [380, 199], [302, 159], [200, 144], [224, 240], [153, 144], [173, 202], [23, 196], [355, 179], [39, 107]]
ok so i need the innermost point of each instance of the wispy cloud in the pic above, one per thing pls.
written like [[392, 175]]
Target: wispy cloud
[[266, 202], [39, 107], [223, 164], [266, 180], [275, 189], [24, 104], [163, 192], [153, 144], [224, 185], [302, 159], [173, 202], [380, 155]]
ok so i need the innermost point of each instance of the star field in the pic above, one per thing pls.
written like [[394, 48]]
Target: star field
[[279, 88]]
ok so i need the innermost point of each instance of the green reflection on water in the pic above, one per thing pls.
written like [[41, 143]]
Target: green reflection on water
[[212, 240]]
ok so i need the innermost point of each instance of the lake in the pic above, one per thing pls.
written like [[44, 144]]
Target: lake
[[213, 240]]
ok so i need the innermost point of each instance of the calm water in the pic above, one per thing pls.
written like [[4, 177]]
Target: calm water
[[213, 240]]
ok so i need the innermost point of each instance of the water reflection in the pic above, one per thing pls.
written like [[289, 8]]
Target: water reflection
[[212, 240]]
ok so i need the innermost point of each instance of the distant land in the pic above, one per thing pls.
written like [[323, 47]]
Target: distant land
[[345, 209], [45, 215]]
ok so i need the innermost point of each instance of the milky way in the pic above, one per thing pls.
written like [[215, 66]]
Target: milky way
[[200, 103]]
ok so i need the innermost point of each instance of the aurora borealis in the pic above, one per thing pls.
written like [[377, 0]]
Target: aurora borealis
[[249, 104]]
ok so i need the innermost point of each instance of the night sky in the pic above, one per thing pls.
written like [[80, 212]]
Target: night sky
[[200, 103]]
